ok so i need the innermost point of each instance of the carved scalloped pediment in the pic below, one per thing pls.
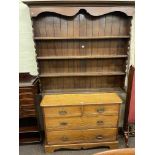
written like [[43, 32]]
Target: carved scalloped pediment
[[71, 11]]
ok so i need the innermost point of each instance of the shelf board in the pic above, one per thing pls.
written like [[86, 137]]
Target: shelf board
[[81, 74], [83, 38], [84, 90], [82, 57], [27, 129], [29, 140]]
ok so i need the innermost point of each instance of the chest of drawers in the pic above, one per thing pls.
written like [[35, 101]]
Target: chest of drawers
[[80, 120], [29, 131]]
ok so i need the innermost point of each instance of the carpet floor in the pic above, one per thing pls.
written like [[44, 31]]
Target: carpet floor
[[38, 149]]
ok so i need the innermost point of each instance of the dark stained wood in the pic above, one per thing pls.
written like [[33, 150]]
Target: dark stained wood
[[82, 57], [81, 74], [81, 37], [127, 105], [79, 43], [28, 88]]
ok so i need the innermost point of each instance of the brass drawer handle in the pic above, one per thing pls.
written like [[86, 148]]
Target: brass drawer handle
[[99, 122], [100, 110], [62, 112], [63, 123], [64, 139], [99, 137]]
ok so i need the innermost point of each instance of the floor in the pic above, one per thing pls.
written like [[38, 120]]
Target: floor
[[38, 149]]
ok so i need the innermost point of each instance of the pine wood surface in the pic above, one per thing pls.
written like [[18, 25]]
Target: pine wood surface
[[68, 124], [80, 99], [85, 122], [77, 136]]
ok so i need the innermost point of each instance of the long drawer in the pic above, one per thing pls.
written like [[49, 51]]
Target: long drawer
[[77, 136], [81, 122]]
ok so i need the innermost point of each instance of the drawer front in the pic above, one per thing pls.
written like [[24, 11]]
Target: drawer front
[[100, 121], [63, 123], [60, 137], [27, 107], [27, 101], [62, 111], [28, 95], [97, 135], [25, 90], [112, 109], [27, 113]]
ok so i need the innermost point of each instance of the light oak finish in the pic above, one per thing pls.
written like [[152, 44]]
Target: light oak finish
[[79, 99], [106, 109], [62, 111], [52, 148], [79, 119], [83, 122]]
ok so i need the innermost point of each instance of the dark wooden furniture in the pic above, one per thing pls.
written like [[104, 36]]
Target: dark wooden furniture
[[81, 46], [29, 131], [78, 121], [129, 151], [129, 116]]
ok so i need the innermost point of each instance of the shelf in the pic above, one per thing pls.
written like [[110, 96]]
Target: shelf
[[83, 38], [29, 140], [81, 74], [84, 90], [27, 129], [82, 57]]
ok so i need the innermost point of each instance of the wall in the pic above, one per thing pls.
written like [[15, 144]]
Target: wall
[[27, 62]]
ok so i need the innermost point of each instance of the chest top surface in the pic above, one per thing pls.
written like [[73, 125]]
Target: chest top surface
[[80, 99]]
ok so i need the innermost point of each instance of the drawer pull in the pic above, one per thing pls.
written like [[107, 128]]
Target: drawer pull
[[63, 123], [100, 110], [99, 137], [99, 122], [64, 139], [62, 112]]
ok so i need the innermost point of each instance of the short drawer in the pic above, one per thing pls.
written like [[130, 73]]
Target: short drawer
[[25, 90], [63, 123], [27, 107], [27, 113], [28, 95], [62, 111], [97, 135], [60, 137], [112, 109], [27, 101], [100, 121]]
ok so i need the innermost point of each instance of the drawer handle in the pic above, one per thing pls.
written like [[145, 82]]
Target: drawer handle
[[63, 123], [99, 137], [99, 122], [62, 112], [100, 110], [64, 139]]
